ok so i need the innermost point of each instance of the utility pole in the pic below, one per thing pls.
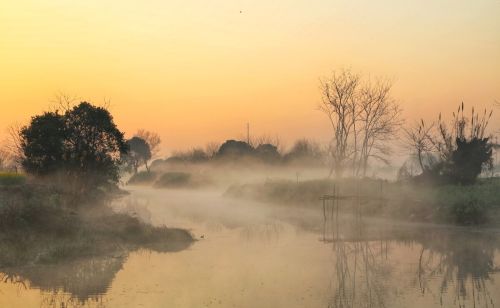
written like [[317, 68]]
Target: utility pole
[[248, 132], [497, 148]]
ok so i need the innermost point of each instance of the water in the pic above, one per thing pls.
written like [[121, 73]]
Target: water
[[254, 255]]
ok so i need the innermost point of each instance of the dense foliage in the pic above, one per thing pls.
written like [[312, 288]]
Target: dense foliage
[[82, 146]]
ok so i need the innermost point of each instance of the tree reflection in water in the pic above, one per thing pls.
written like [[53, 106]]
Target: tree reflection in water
[[462, 261], [360, 269], [77, 282], [452, 264]]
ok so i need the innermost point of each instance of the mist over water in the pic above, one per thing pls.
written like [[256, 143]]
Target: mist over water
[[254, 254], [250, 154]]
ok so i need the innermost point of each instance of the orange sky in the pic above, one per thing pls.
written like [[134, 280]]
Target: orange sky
[[197, 71]]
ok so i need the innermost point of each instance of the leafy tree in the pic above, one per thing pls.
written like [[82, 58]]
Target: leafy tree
[[152, 139], [93, 145], [234, 149], [139, 153], [42, 143], [84, 144], [268, 152]]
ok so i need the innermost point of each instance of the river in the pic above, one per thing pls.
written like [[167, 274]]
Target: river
[[249, 254]]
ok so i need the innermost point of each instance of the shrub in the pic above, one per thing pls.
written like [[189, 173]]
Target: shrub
[[173, 179], [143, 177]]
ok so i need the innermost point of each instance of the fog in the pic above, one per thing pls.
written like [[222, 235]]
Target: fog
[[272, 236]]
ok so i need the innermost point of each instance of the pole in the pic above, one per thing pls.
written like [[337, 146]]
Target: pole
[[248, 132]]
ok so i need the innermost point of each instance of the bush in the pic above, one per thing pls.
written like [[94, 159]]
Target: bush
[[174, 179], [143, 177], [469, 212]]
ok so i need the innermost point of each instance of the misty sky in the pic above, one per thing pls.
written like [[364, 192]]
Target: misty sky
[[197, 71]]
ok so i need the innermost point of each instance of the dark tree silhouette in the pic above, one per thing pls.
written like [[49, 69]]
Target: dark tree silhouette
[[268, 152], [139, 153], [461, 150], [152, 139], [42, 143], [83, 144], [469, 158], [93, 145], [235, 149]]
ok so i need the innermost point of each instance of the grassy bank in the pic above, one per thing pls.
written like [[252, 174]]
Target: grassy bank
[[171, 179], [475, 204], [40, 225]]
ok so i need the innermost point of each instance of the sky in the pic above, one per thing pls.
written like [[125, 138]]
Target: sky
[[197, 71]]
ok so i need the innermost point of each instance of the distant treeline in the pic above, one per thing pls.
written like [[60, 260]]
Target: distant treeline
[[303, 151]]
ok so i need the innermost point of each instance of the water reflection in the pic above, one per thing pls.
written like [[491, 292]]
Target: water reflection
[[265, 232], [451, 265], [74, 280], [73, 283], [463, 263], [83, 279], [361, 273]]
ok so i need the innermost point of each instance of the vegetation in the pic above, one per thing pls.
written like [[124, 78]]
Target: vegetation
[[143, 177], [152, 139], [82, 147], [10, 178], [472, 204], [138, 154], [457, 155], [60, 211], [303, 152], [181, 180], [363, 118], [39, 225]]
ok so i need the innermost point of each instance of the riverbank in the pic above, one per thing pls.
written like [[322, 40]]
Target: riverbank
[[463, 205], [40, 224]]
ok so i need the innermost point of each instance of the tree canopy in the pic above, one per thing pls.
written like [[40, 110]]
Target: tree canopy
[[139, 153], [83, 144]]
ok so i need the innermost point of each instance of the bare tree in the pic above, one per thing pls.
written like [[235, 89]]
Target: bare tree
[[364, 118], [419, 140], [379, 120], [211, 148], [339, 94], [4, 159], [13, 148], [63, 101]]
